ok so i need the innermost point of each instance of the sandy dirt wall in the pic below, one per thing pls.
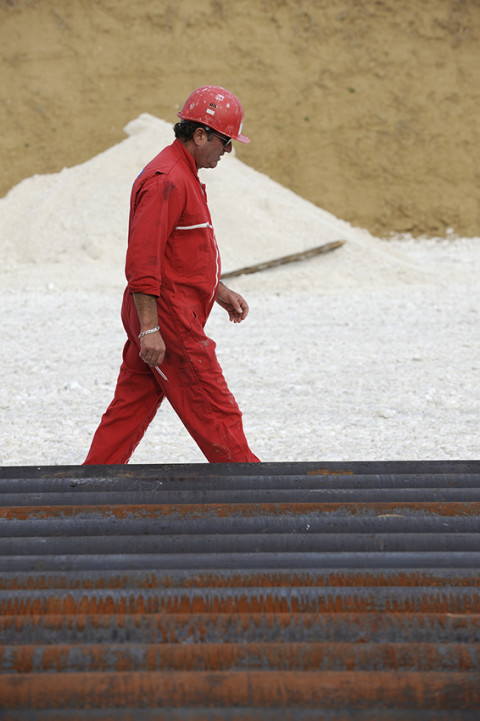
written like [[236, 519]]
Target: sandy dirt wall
[[368, 108]]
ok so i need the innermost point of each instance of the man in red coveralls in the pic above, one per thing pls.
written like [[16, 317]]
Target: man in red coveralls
[[173, 274]]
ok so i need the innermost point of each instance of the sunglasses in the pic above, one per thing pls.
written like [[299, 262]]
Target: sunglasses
[[225, 140]]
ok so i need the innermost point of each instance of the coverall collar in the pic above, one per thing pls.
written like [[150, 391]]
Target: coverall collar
[[181, 149]]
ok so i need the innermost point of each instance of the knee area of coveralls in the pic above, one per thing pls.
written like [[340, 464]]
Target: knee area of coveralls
[[135, 403], [209, 412]]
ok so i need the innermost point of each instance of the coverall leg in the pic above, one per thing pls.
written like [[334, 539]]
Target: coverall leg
[[135, 403], [196, 389]]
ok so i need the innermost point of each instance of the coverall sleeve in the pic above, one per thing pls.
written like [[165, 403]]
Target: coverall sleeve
[[155, 211]]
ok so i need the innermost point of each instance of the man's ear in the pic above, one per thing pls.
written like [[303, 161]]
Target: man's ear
[[200, 136]]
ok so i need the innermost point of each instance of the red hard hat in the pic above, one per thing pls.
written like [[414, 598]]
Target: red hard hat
[[216, 108]]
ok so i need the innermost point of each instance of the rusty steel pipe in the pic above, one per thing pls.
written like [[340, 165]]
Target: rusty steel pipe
[[250, 713], [243, 600], [247, 543], [107, 579], [242, 591], [330, 689], [228, 497], [343, 656], [96, 524], [157, 480], [373, 627], [160, 512], [243, 714], [232, 561], [201, 471]]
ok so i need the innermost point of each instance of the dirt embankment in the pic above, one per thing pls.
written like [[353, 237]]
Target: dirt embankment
[[368, 108]]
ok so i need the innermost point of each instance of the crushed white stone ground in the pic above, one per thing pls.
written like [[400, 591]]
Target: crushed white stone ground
[[368, 353]]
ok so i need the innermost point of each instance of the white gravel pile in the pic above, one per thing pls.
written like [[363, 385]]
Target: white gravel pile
[[370, 352]]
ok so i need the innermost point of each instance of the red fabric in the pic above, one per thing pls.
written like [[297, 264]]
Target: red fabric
[[172, 251], [172, 254]]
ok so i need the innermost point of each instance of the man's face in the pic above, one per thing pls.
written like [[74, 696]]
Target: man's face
[[211, 150]]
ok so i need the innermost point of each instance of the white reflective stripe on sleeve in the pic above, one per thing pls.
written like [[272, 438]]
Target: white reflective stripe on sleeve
[[194, 227]]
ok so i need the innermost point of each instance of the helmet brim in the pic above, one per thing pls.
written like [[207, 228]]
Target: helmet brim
[[242, 139]]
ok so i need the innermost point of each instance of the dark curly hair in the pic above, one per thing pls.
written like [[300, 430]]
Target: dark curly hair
[[185, 129]]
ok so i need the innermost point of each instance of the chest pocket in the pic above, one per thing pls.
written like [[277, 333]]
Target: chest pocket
[[193, 252]]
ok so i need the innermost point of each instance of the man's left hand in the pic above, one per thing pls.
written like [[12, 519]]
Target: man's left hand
[[234, 304]]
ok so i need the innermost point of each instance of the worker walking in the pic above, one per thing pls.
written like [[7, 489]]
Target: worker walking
[[173, 280]]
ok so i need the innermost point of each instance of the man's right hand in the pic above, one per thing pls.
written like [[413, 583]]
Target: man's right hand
[[152, 348]]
